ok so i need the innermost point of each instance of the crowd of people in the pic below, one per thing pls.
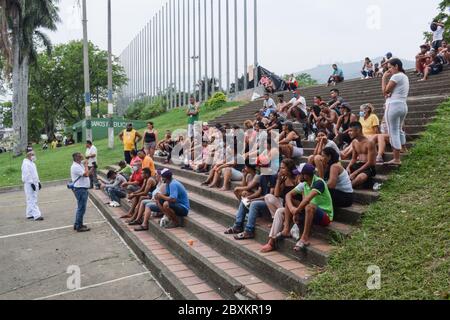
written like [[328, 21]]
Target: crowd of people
[[278, 181], [265, 157]]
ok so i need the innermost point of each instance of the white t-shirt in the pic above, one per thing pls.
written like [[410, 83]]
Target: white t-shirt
[[401, 90], [91, 151], [77, 172], [269, 104], [301, 104], [438, 35]]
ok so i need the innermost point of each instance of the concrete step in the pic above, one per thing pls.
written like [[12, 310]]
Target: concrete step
[[179, 279], [230, 265]]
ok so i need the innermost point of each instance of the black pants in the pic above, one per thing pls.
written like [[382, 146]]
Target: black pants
[[127, 155], [341, 199]]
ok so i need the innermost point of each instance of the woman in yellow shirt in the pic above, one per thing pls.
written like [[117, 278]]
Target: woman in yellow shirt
[[369, 121]]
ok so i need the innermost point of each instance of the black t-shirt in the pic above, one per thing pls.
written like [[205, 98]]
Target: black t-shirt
[[316, 109]]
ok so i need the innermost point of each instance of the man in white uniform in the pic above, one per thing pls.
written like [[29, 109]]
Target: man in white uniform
[[31, 185]]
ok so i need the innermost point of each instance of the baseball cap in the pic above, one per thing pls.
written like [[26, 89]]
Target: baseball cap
[[308, 169], [299, 169], [346, 105], [166, 173]]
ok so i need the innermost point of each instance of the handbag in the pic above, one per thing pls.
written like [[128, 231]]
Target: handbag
[[71, 185]]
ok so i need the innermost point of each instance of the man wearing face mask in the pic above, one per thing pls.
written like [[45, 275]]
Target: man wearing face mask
[[136, 180], [32, 185], [79, 173]]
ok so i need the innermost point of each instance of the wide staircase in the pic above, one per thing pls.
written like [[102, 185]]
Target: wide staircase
[[200, 262]]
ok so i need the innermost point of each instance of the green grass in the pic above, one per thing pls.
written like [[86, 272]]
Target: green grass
[[406, 234], [55, 164]]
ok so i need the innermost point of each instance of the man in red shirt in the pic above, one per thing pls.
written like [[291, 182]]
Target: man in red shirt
[[136, 179]]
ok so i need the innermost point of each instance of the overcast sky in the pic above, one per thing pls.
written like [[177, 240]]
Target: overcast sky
[[293, 34]]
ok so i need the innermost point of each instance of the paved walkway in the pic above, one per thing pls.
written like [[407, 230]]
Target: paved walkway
[[35, 256]]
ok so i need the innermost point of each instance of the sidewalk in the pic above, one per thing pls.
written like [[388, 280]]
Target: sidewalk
[[35, 256]]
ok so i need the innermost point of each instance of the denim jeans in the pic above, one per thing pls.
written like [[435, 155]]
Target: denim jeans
[[82, 196], [115, 194], [257, 208]]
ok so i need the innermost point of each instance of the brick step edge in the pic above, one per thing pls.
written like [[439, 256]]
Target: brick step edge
[[169, 281]]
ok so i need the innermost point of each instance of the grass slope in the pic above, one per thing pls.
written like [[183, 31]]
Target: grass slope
[[406, 234], [55, 164]]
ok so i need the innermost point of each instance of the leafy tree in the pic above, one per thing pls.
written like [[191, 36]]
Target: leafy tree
[[304, 79], [21, 22], [444, 17], [57, 86], [6, 111]]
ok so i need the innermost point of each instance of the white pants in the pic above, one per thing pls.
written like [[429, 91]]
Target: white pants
[[32, 200]]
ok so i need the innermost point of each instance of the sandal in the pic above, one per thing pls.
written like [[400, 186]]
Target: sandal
[[134, 223], [301, 245], [244, 236], [141, 228], [380, 160], [233, 230]]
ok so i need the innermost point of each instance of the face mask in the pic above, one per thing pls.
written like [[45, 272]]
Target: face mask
[[362, 114], [33, 158], [135, 169]]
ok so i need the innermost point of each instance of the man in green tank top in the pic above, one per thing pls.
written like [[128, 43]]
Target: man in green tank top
[[316, 206]]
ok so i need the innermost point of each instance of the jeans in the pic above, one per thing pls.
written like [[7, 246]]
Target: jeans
[[257, 208], [81, 195], [93, 176], [115, 194]]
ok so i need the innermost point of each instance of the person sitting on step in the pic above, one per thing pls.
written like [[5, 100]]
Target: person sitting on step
[[113, 187], [136, 197], [147, 162], [136, 181], [341, 136], [148, 207], [314, 114], [316, 207], [362, 166], [328, 119], [316, 158], [125, 170], [253, 205], [336, 101], [435, 67], [336, 77], [338, 179], [249, 183], [290, 142], [174, 204]]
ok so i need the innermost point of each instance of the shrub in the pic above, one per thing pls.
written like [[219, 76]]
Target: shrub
[[141, 110], [216, 102]]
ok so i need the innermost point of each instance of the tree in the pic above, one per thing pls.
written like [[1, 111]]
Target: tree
[[444, 17], [21, 35], [304, 79], [57, 86]]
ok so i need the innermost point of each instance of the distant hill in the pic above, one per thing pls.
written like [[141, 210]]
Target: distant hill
[[351, 70]]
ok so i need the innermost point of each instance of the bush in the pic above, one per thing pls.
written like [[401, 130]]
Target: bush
[[141, 110], [216, 102]]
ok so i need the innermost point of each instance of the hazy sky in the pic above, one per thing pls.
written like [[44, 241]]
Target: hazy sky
[[293, 34]]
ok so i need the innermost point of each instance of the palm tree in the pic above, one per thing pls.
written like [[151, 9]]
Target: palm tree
[[20, 24]]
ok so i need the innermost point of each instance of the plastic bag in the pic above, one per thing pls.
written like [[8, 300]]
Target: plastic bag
[[295, 232]]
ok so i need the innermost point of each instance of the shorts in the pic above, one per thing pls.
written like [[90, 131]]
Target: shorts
[[150, 145], [436, 44], [320, 218], [436, 69], [297, 152], [370, 172], [179, 210], [132, 189], [236, 175]]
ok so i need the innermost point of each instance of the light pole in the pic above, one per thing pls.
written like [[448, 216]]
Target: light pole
[[110, 83], [87, 93]]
